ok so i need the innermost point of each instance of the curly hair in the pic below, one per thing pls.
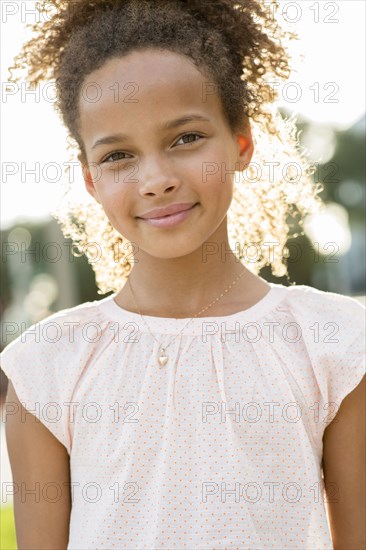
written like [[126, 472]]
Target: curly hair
[[240, 46]]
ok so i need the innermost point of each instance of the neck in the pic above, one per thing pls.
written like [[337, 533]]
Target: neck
[[185, 279], [181, 287]]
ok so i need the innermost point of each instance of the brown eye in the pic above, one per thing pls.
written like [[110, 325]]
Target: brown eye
[[106, 159], [190, 134]]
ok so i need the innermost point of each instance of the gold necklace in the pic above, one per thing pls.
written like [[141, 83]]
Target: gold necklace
[[162, 356]]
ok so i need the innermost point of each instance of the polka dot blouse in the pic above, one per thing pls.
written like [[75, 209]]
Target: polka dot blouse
[[221, 447]]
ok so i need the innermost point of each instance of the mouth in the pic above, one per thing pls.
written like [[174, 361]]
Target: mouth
[[171, 219]]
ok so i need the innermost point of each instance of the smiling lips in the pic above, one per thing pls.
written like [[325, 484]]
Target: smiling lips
[[169, 216]]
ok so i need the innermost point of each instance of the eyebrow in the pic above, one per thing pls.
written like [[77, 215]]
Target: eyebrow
[[171, 124]]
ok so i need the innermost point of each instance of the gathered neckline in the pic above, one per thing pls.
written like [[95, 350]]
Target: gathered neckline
[[115, 312]]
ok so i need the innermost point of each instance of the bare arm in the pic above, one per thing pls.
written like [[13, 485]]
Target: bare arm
[[344, 465], [36, 457]]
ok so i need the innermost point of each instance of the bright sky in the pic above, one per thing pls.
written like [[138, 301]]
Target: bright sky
[[328, 87]]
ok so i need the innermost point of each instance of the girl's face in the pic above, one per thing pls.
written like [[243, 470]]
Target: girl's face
[[140, 160]]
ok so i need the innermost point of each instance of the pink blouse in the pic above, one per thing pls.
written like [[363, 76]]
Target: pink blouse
[[219, 448]]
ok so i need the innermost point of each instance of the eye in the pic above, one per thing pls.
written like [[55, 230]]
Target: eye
[[190, 134], [106, 159], [109, 159]]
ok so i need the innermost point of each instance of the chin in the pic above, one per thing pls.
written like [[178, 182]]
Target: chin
[[168, 251]]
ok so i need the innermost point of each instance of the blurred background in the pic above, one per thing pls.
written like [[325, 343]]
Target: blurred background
[[39, 274]]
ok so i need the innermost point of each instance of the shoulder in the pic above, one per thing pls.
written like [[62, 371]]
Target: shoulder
[[53, 332], [330, 328], [311, 295], [81, 312], [333, 329], [309, 304]]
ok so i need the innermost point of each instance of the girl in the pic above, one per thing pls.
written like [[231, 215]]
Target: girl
[[197, 406]]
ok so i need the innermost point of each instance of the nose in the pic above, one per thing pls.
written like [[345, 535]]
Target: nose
[[156, 176]]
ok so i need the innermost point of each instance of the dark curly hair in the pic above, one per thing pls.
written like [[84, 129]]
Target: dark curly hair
[[237, 44]]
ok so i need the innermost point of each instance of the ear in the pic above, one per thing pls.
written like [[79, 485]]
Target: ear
[[88, 180], [245, 147]]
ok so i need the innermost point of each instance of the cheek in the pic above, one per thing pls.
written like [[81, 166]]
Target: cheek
[[113, 186], [218, 184], [220, 193], [217, 169], [116, 209], [114, 199]]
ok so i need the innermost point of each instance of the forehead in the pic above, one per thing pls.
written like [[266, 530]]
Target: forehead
[[145, 86]]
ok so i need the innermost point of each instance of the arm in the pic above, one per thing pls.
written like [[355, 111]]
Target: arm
[[344, 466], [37, 458]]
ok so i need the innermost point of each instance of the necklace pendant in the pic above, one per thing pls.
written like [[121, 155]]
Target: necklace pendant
[[162, 358]]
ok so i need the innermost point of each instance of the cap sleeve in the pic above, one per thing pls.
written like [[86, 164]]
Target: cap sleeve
[[44, 364], [346, 370], [334, 334]]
